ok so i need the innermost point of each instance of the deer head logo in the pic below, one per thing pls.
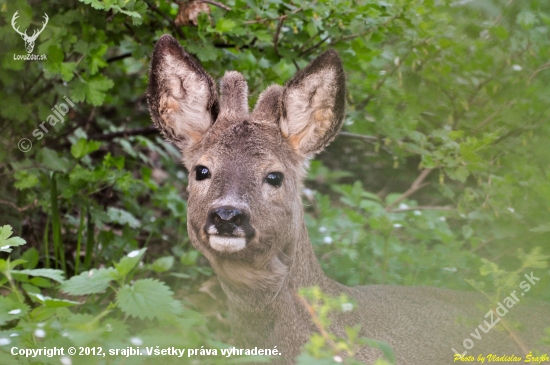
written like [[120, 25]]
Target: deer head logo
[[29, 40]]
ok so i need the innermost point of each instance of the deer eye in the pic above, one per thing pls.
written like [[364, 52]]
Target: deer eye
[[202, 173], [274, 179]]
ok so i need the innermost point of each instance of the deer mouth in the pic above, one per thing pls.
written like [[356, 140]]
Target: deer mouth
[[225, 243]]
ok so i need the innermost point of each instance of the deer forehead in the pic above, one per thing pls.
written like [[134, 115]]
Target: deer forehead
[[246, 144]]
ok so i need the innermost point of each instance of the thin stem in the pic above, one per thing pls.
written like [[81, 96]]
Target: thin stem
[[46, 243], [80, 229]]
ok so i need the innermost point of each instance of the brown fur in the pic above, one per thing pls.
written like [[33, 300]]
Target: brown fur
[[288, 125]]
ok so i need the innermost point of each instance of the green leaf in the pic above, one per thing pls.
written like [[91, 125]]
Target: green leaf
[[82, 147], [534, 259], [488, 267], [147, 299], [53, 303], [90, 282], [92, 90], [40, 282], [67, 70], [10, 310], [225, 25], [163, 264], [5, 242], [53, 274], [122, 217], [128, 262], [31, 256], [51, 160], [96, 4]]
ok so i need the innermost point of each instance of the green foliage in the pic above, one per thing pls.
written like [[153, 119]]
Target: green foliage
[[47, 322], [324, 347], [440, 175]]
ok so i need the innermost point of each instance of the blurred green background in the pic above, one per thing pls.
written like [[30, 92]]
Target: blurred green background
[[441, 172]]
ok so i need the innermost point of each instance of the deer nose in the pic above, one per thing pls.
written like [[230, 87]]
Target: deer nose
[[227, 218]]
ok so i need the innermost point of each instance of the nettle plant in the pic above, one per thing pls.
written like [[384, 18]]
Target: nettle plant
[[113, 307]]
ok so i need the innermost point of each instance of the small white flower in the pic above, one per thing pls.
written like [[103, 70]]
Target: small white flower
[[327, 240], [397, 225], [136, 341], [338, 358], [322, 229], [40, 333], [133, 253], [511, 209], [66, 360], [15, 311], [4, 341], [347, 307], [517, 67], [417, 212]]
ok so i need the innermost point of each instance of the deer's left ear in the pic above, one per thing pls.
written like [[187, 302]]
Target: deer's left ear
[[313, 104]]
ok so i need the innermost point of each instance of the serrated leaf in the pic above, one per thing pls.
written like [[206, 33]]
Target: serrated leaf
[[95, 93], [90, 282], [534, 259], [488, 267], [67, 70], [225, 25], [53, 274], [147, 299], [10, 310], [52, 302], [5, 242]]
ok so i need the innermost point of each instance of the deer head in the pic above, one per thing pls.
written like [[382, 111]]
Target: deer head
[[245, 169], [29, 40]]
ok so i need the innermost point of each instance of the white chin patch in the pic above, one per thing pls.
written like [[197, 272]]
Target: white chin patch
[[227, 244]]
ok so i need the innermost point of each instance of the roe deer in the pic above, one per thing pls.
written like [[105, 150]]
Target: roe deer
[[245, 214]]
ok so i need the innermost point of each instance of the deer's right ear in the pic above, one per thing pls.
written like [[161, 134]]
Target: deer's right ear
[[182, 97]]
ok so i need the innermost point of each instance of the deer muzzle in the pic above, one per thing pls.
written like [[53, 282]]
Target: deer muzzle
[[228, 228]]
